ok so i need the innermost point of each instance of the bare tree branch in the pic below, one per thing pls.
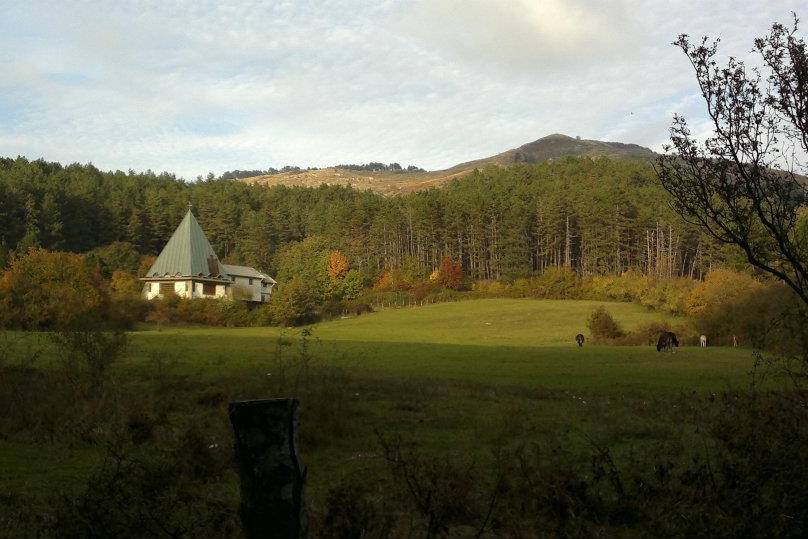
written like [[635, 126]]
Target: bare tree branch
[[744, 183]]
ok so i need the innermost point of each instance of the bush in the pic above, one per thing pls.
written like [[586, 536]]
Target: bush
[[172, 309], [720, 289], [764, 315], [557, 283], [647, 334], [156, 496], [295, 303], [96, 349], [490, 289], [116, 256], [263, 315], [603, 327], [357, 307], [554, 283], [660, 294], [50, 290], [350, 286], [423, 290], [333, 308], [124, 285], [354, 510], [450, 274], [769, 318]]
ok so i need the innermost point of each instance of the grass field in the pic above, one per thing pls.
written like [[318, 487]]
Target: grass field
[[455, 379], [500, 342]]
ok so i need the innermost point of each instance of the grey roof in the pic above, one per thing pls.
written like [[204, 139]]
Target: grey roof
[[187, 254], [245, 271]]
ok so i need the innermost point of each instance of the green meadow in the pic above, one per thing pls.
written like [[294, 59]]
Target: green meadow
[[496, 342], [453, 379]]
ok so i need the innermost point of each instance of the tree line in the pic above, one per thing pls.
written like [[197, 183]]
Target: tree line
[[595, 217]]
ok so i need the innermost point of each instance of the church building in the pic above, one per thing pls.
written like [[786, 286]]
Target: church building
[[188, 267]]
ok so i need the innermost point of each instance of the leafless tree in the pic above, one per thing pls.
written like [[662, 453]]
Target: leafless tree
[[745, 184]]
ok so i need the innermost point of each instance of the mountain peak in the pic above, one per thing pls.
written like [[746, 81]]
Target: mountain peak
[[547, 148], [558, 145]]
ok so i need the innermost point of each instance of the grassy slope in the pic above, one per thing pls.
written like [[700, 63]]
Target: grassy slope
[[456, 378]]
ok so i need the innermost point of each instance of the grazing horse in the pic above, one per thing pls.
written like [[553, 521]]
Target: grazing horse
[[667, 341], [703, 341], [579, 339]]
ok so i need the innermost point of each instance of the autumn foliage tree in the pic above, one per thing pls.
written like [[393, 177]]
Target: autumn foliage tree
[[337, 265], [50, 290], [384, 282], [451, 273]]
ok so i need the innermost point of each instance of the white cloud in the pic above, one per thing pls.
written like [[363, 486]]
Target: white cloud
[[210, 86]]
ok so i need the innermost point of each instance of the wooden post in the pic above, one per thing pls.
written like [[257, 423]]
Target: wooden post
[[271, 476]]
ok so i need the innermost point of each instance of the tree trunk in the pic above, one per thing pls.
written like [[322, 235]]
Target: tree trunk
[[568, 245]]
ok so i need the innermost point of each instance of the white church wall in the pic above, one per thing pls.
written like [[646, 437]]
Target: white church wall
[[219, 291], [181, 288], [240, 289]]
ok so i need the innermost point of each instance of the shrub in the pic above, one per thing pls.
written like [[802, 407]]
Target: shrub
[[647, 334], [602, 326], [557, 283], [333, 308], [155, 496], [490, 288], [358, 307], [116, 256], [350, 286], [354, 509], [384, 282], [441, 491], [451, 273], [172, 309], [50, 290], [295, 303], [205, 311], [403, 277], [146, 262], [423, 290], [124, 285], [768, 318], [337, 266], [96, 349], [263, 315], [235, 313], [720, 289], [163, 310]]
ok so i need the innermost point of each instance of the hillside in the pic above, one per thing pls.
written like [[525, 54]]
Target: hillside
[[390, 183]]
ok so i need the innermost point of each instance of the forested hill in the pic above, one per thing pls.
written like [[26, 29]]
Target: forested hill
[[596, 216], [403, 182]]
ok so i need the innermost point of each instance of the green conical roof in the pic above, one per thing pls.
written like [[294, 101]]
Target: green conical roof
[[187, 254]]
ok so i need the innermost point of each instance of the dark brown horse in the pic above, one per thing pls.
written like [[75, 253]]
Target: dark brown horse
[[579, 339], [667, 341]]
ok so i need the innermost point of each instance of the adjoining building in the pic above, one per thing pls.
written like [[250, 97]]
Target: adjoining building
[[188, 267]]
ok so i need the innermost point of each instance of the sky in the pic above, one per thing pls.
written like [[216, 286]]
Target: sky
[[208, 86]]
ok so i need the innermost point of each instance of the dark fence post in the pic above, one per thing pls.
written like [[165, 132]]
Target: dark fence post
[[272, 478]]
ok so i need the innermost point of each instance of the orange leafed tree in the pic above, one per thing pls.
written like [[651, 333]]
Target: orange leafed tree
[[451, 273], [385, 281], [337, 265]]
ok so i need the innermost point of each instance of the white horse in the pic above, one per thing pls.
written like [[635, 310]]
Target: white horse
[[703, 341]]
